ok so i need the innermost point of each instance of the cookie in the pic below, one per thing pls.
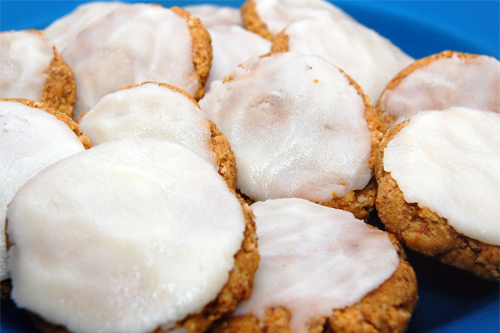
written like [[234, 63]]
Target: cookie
[[32, 137], [441, 81], [369, 58], [212, 15], [160, 110], [323, 270], [437, 176], [33, 69], [138, 43], [145, 236], [299, 127]]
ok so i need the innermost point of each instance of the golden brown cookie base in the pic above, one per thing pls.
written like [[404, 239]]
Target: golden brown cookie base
[[59, 91], [238, 287], [224, 156], [252, 21], [202, 49], [389, 119], [386, 309], [426, 232]]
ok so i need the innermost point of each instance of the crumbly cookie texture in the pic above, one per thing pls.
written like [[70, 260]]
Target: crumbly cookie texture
[[386, 309], [202, 49], [58, 89], [469, 80], [426, 232], [253, 22]]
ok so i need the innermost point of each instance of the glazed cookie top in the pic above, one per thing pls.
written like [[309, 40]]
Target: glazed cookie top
[[363, 54], [30, 140], [24, 61], [126, 252], [215, 15], [448, 161], [296, 125], [150, 110], [231, 46], [64, 29], [131, 45], [315, 259], [277, 14], [441, 81]]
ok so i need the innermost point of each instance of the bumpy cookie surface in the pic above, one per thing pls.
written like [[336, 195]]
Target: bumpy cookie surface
[[449, 213]]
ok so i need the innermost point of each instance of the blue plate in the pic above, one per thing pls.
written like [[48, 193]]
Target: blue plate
[[450, 300]]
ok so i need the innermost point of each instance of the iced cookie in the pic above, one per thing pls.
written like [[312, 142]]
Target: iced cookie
[[33, 69], [160, 110], [322, 270], [135, 44], [438, 184], [145, 236], [215, 15], [441, 81], [32, 137], [65, 28], [299, 127], [363, 54]]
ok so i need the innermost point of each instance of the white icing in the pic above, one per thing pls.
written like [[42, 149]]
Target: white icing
[[446, 82], [232, 45], [277, 14], [30, 140], [215, 15], [363, 54], [149, 110], [449, 162], [131, 45], [296, 126], [65, 29], [143, 235], [24, 59], [314, 259]]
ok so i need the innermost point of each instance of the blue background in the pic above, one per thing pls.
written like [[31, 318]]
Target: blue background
[[450, 300]]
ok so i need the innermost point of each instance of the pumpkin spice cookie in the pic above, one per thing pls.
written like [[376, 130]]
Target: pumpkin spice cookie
[[438, 182], [33, 136], [145, 237], [322, 270], [138, 43], [299, 127], [33, 69], [441, 81], [164, 111]]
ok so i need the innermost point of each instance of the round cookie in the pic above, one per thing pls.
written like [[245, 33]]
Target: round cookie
[[139, 43], [323, 270], [162, 243], [299, 127], [441, 81], [33, 136], [33, 69], [438, 181], [369, 58], [164, 111]]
